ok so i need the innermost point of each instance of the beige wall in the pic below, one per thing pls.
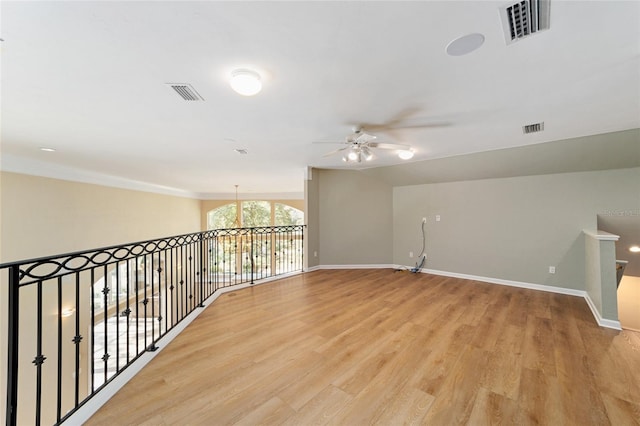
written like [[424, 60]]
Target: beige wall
[[600, 275], [355, 219], [42, 216], [312, 218], [512, 228], [629, 303]]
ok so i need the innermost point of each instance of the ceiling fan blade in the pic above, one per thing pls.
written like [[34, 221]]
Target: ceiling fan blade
[[329, 154], [364, 138], [401, 117], [326, 142], [421, 125], [389, 146], [400, 126]]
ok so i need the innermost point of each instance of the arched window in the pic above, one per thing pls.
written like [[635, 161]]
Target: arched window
[[287, 215], [254, 214], [222, 217]]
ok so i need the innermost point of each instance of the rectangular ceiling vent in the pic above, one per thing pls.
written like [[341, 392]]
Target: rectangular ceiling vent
[[533, 128], [186, 91], [524, 18]]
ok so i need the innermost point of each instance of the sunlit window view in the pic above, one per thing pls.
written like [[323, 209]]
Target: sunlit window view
[[287, 215], [254, 214]]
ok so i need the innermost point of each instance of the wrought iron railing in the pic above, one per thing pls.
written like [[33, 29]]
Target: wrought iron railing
[[76, 321]]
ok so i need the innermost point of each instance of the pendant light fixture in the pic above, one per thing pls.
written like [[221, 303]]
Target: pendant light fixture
[[236, 222]]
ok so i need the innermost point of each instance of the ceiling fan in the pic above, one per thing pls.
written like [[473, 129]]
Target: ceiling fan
[[358, 147]]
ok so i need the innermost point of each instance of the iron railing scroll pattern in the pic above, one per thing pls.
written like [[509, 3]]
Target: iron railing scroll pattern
[[76, 321]]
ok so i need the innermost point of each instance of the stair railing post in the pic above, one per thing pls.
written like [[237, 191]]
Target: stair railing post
[[302, 231], [201, 263], [251, 252], [12, 344]]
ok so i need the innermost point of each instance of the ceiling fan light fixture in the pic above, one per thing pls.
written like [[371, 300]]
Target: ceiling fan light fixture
[[366, 153], [352, 156], [245, 82], [406, 154]]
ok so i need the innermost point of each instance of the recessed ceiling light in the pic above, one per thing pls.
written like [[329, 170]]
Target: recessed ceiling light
[[406, 154], [465, 44], [245, 82], [634, 249], [45, 149]]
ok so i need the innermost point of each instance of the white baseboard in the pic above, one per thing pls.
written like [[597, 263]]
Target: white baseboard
[[313, 268], [519, 284], [602, 322], [367, 266]]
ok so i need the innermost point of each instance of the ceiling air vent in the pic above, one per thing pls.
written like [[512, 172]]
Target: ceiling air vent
[[533, 128], [524, 18], [186, 91]]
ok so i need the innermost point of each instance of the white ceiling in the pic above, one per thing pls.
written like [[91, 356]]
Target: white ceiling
[[88, 79]]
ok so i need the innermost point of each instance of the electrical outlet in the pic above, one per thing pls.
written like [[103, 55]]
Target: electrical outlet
[[411, 254], [552, 269], [424, 220], [315, 254], [437, 218]]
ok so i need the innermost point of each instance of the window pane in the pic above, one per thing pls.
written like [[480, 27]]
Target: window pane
[[256, 213], [222, 217], [287, 215]]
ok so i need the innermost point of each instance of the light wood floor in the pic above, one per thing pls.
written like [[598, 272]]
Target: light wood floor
[[381, 347]]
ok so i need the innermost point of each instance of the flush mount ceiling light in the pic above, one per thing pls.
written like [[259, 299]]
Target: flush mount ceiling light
[[465, 44], [634, 249], [45, 149], [245, 82], [405, 154]]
